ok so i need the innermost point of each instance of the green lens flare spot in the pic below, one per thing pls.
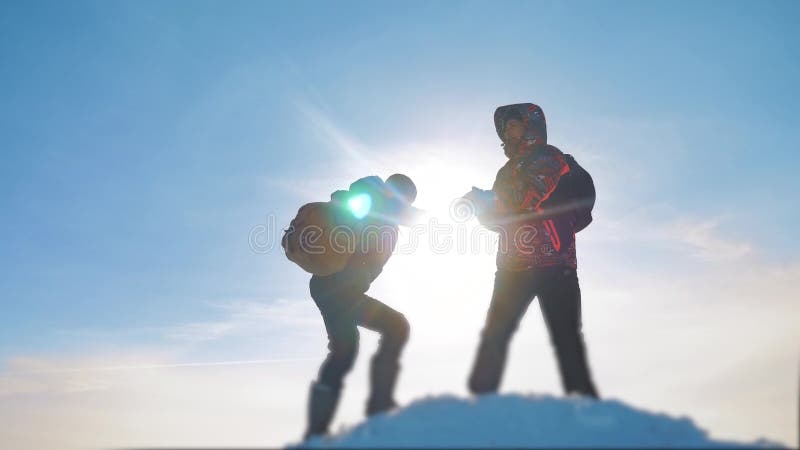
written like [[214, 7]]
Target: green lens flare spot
[[360, 205]]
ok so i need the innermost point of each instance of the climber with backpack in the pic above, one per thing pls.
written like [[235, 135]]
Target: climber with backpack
[[353, 237], [540, 199]]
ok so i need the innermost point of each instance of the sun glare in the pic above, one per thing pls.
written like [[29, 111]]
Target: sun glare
[[360, 205], [442, 263]]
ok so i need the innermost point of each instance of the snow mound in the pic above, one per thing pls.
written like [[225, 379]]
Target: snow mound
[[523, 421]]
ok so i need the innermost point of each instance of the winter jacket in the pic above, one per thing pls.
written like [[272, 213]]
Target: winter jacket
[[529, 237]]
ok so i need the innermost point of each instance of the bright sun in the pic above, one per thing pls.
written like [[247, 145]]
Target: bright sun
[[442, 264]]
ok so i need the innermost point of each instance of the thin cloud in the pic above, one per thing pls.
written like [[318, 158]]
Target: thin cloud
[[705, 240], [324, 127], [227, 319], [248, 318], [700, 238], [126, 367], [111, 406]]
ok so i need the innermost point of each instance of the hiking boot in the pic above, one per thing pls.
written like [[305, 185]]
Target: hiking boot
[[322, 402]]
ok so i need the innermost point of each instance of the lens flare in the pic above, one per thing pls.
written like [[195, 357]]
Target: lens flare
[[360, 205]]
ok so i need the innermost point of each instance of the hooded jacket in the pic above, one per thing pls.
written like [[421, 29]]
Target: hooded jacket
[[529, 237]]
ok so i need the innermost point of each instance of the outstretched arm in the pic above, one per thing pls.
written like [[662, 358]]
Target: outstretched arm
[[487, 205]]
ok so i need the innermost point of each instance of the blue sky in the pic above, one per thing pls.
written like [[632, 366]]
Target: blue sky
[[143, 141]]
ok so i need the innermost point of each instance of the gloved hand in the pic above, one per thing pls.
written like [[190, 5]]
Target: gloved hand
[[478, 203], [483, 201]]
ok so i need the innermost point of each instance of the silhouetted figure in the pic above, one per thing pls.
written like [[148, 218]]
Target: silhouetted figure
[[537, 255], [344, 305]]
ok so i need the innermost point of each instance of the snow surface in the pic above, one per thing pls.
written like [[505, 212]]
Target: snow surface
[[523, 421]]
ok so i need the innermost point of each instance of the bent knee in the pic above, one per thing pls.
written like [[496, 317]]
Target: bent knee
[[402, 330]]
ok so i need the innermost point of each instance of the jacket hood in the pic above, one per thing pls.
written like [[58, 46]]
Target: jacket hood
[[531, 116]]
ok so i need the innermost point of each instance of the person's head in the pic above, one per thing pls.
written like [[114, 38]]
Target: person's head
[[402, 188], [401, 194], [513, 131], [520, 126]]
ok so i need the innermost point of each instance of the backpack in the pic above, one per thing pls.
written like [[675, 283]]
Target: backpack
[[307, 242], [324, 235], [574, 193]]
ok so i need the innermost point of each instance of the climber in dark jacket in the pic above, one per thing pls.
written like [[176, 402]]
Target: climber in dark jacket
[[344, 304], [536, 255]]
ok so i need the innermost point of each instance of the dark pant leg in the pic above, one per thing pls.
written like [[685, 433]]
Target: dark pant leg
[[392, 326], [560, 301], [510, 299], [385, 366], [338, 308]]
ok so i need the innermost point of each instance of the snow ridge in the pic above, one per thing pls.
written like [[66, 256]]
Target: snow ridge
[[524, 421]]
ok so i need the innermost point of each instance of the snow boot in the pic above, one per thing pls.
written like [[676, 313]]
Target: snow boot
[[322, 402], [588, 392], [383, 377]]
